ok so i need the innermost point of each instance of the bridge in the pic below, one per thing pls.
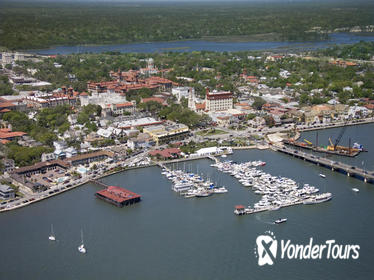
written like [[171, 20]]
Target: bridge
[[349, 170]]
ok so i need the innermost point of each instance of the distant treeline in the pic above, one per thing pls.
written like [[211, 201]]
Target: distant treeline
[[37, 25]]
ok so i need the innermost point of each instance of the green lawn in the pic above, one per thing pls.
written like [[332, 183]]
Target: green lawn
[[210, 132]]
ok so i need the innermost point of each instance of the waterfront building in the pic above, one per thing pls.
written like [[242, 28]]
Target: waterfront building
[[118, 196], [40, 167], [167, 132], [6, 192], [89, 157], [170, 153], [209, 151]]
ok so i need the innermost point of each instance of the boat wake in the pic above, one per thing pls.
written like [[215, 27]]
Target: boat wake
[[258, 218]]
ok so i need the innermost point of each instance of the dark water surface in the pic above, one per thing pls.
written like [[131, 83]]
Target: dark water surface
[[168, 237], [198, 45]]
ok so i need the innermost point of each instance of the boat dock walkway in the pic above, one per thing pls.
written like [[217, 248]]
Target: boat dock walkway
[[162, 164], [351, 171], [99, 183]]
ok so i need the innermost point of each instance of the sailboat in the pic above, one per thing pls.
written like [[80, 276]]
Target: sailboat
[[52, 237], [81, 247]]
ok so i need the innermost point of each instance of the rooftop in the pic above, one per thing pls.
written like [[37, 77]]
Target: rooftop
[[118, 194]]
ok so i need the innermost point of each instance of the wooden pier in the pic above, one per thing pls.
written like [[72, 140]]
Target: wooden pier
[[351, 171]]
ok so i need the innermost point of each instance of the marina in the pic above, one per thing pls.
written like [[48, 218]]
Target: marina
[[276, 191], [189, 184]]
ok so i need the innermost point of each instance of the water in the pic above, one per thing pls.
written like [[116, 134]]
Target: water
[[168, 237], [199, 45]]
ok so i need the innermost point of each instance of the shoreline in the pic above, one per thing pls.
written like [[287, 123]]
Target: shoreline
[[98, 177], [365, 121], [154, 163]]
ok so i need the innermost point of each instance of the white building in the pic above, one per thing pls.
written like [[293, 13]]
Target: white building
[[180, 92], [358, 111], [6, 58], [104, 99], [218, 101], [209, 151]]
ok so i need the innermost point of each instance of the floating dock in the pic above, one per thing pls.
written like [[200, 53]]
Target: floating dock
[[117, 196]]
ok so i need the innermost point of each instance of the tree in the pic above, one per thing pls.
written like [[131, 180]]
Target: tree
[[269, 121], [258, 103]]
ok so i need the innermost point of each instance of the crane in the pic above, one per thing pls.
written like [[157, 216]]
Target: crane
[[334, 146], [337, 140]]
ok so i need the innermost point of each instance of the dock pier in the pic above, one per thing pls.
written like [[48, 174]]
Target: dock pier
[[351, 171], [115, 195]]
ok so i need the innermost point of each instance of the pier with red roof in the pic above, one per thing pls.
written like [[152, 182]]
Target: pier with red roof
[[117, 195]]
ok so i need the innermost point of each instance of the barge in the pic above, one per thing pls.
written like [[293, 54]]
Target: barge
[[340, 151]]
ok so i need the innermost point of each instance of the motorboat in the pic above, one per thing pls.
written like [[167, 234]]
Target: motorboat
[[52, 237], [279, 221], [81, 247]]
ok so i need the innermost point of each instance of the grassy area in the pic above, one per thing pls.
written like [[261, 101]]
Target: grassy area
[[210, 132]]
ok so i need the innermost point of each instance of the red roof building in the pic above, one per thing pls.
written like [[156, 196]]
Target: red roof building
[[118, 196], [167, 153], [6, 134], [155, 99]]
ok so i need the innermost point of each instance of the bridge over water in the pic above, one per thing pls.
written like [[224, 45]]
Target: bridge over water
[[349, 170]]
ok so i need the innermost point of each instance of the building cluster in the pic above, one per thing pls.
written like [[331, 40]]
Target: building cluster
[[123, 128]]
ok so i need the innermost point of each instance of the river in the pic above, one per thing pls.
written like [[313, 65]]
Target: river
[[168, 237], [199, 45]]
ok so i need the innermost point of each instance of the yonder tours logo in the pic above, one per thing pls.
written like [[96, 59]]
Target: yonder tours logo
[[267, 246]]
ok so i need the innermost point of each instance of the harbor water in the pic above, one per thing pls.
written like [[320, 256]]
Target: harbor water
[[166, 236]]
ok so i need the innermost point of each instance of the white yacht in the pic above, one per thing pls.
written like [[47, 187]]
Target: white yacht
[[355, 190], [220, 190], [322, 175]]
